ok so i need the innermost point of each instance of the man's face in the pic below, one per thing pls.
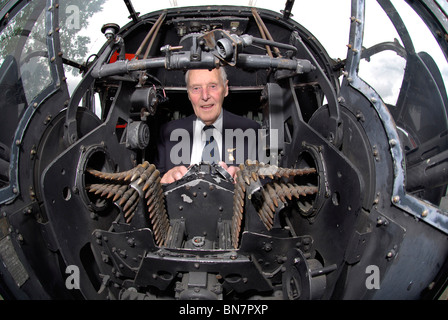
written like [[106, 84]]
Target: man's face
[[206, 91]]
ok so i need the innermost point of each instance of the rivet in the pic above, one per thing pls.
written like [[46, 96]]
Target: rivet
[[425, 213], [393, 142], [396, 199]]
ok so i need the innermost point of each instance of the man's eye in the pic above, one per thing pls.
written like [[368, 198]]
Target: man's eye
[[213, 86], [196, 89]]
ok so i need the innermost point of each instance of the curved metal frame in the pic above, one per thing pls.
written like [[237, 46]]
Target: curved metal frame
[[418, 208], [10, 192]]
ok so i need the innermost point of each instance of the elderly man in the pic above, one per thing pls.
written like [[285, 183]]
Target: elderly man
[[207, 128]]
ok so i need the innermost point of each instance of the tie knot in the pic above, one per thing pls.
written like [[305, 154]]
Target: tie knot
[[208, 127]]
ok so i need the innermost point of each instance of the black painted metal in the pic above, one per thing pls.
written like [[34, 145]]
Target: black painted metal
[[320, 245]]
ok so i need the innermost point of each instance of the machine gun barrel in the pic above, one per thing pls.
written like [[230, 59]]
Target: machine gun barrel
[[182, 60]]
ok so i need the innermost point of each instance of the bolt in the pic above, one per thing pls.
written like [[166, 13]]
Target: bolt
[[267, 247], [392, 142], [425, 213], [281, 259], [360, 116], [380, 221], [390, 254], [396, 199]]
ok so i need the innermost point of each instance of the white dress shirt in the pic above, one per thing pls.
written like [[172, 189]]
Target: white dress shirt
[[199, 138]]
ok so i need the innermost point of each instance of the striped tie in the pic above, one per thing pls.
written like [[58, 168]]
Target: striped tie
[[210, 153]]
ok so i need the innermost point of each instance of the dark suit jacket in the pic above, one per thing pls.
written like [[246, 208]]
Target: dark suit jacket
[[231, 121]]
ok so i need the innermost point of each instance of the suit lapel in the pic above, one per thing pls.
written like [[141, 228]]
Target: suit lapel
[[190, 129], [228, 153]]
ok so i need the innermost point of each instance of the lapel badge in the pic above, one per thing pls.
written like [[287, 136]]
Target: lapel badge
[[230, 152]]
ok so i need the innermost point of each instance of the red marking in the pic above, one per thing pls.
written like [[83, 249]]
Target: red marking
[[114, 57]]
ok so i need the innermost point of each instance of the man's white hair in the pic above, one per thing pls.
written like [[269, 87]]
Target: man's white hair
[[221, 70]]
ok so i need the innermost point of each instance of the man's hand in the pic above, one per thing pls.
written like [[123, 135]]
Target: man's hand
[[174, 174], [178, 172], [231, 170]]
